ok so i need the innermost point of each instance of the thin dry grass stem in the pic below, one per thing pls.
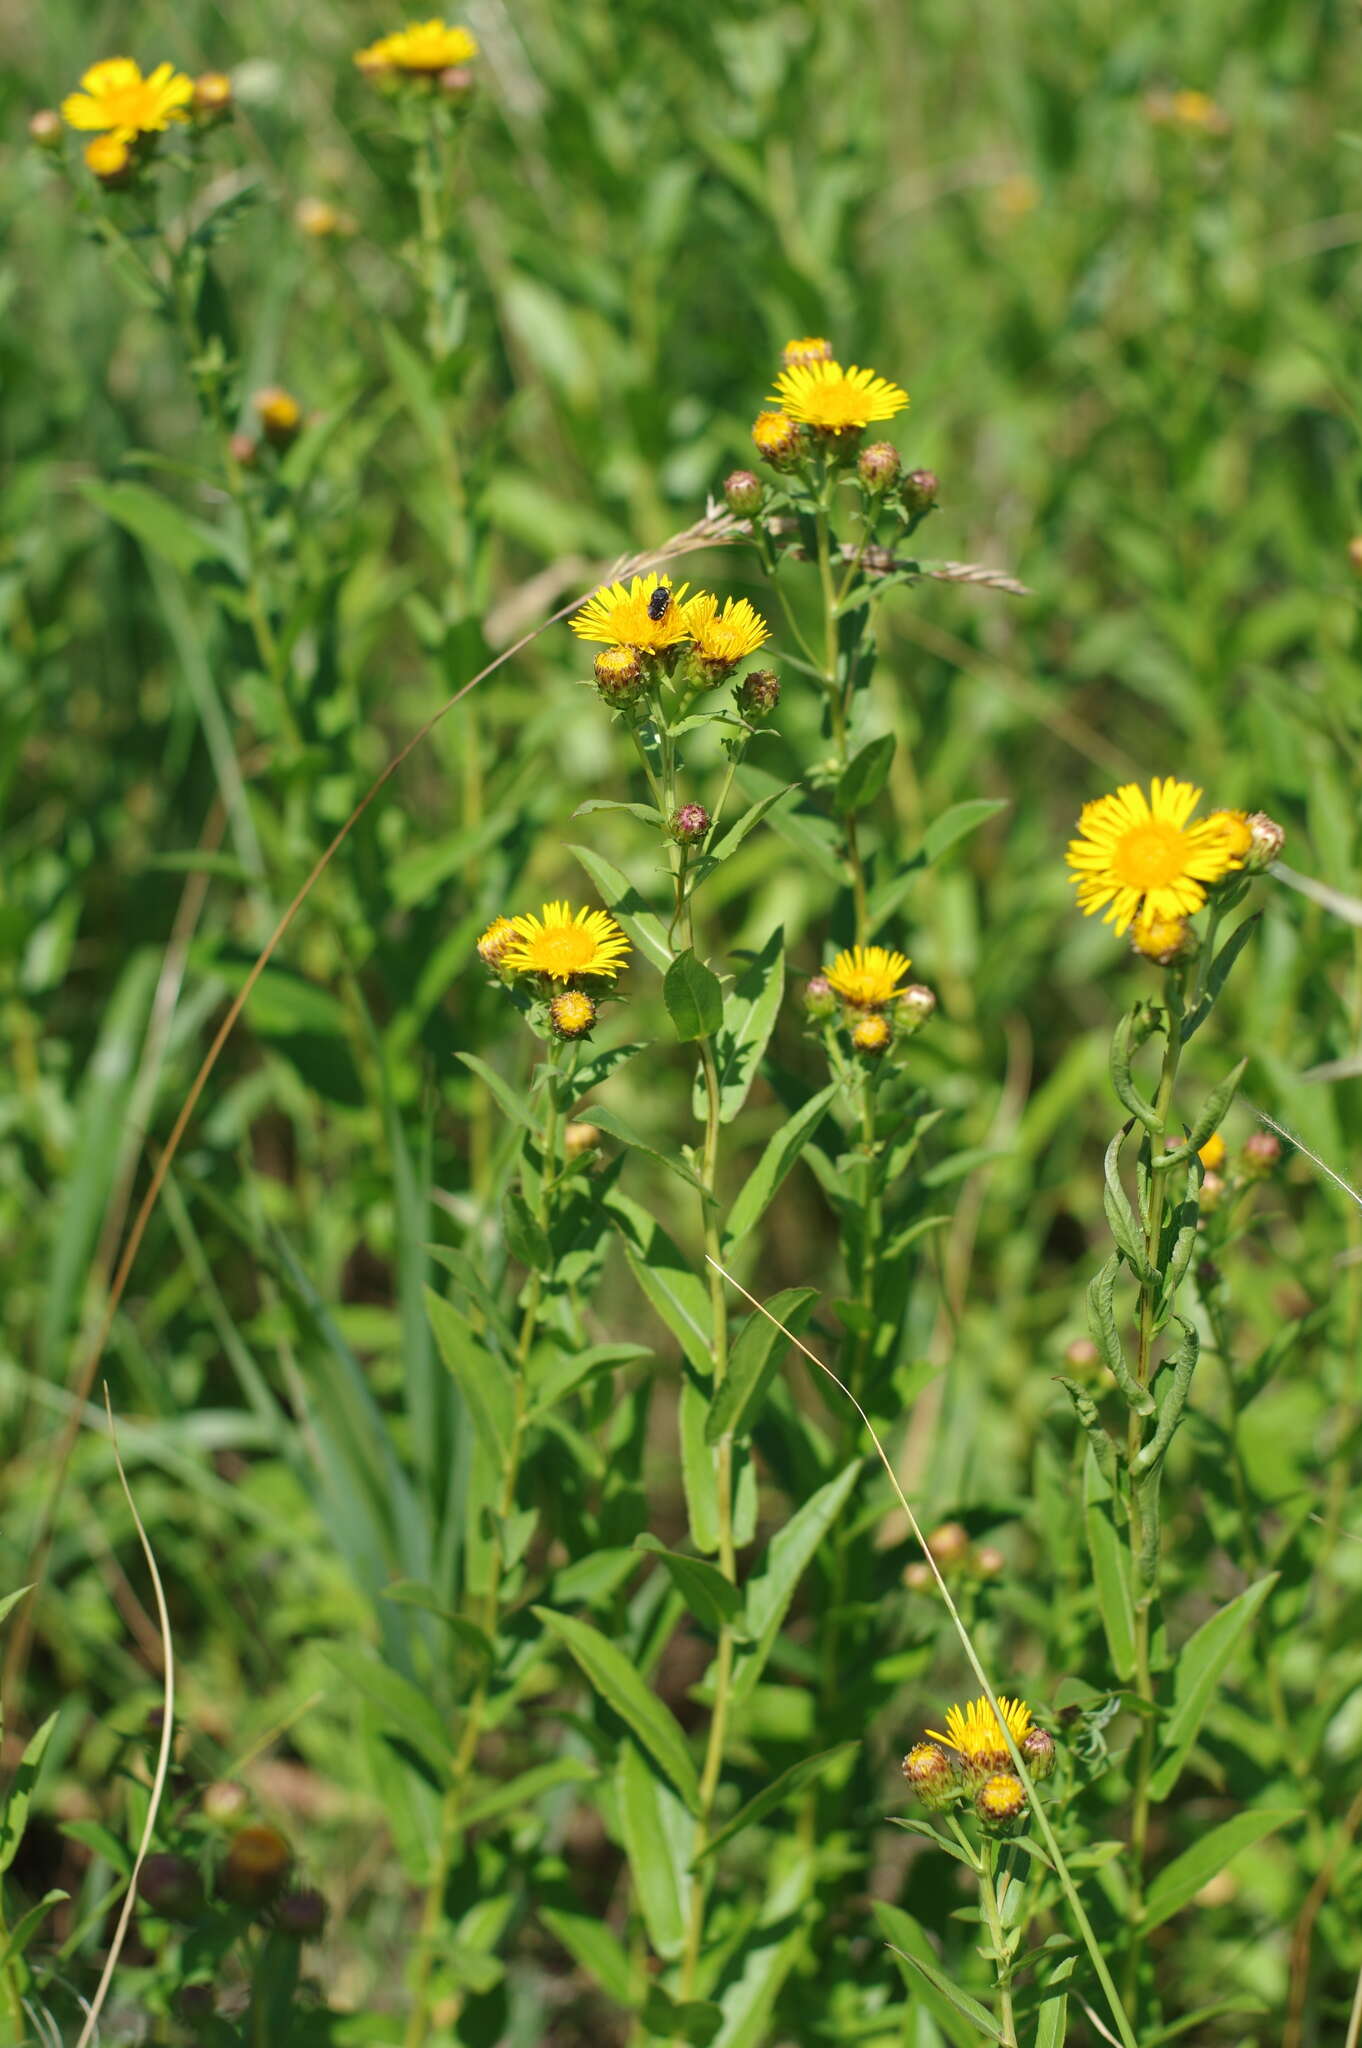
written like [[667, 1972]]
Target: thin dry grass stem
[[1298, 1144], [1355, 2016], [1055, 1853], [1303, 1933], [163, 1758], [713, 530]]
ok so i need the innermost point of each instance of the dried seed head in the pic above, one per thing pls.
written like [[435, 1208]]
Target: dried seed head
[[1268, 840]]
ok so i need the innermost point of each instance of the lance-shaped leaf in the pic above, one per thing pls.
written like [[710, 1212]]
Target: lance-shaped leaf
[[693, 997], [1181, 1362], [1102, 1324], [627, 906], [1120, 1215], [1085, 1408], [711, 1598], [1200, 1667], [1110, 1569], [658, 1835], [1122, 1051], [1180, 1881], [751, 1007], [805, 1772], [620, 1686], [781, 1152], [865, 775], [788, 1555], [668, 1280], [756, 1355], [1215, 980], [1208, 1118]]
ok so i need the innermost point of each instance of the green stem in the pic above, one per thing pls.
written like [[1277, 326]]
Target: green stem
[[988, 1893], [1146, 1596], [451, 1812], [837, 711]]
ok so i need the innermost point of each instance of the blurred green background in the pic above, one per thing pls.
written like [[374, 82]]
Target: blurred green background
[[1129, 325]]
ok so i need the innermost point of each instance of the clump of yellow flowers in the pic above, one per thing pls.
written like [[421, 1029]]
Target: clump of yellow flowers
[[972, 1762], [561, 961]]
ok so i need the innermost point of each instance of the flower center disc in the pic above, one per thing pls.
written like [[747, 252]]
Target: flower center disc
[[563, 951], [1150, 856]]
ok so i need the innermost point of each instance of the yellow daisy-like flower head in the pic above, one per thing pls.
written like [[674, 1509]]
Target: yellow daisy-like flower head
[[776, 437], [1000, 1802], [572, 1014], [115, 97], [871, 1035], [824, 396], [810, 348], [1162, 939], [1138, 855], [649, 616], [1213, 1153], [497, 941], [110, 158], [867, 977], [422, 48], [976, 1736], [1235, 830], [722, 637], [562, 943]]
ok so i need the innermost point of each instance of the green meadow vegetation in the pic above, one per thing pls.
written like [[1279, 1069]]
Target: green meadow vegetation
[[654, 1386]]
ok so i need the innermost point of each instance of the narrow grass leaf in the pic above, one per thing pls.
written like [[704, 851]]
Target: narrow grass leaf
[[620, 1686]]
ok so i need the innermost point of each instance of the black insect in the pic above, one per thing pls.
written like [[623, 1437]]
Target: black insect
[[659, 601]]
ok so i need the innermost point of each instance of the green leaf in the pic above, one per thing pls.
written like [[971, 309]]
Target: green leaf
[[915, 1826], [1110, 1571], [751, 1007], [509, 1099], [696, 2020], [526, 1239], [646, 814], [1219, 974], [781, 1789], [14, 1818], [627, 906], [415, 1593], [160, 525], [1183, 1878], [756, 1355], [657, 1832], [957, 823], [697, 1469], [620, 1686], [554, 1382], [711, 1598], [403, 1707], [781, 1152], [616, 1127], [479, 1374], [1052, 2021], [910, 1942], [693, 997], [668, 1280], [27, 1925], [812, 835], [1200, 1666], [11, 1601], [750, 818], [788, 1555], [589, 1942], [865, 775], [524, 1790]]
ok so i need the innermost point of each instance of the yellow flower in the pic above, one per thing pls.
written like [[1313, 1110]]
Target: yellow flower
[[572, 1014], [1000, 1802], [1140, 856], [115, 96], [868, 977], [1161, 938], [1234, 829], [636, 617], [724, 638], [422, 46], [109, 158], [976, 1736], [1212, 1153], [810, 348], [834, 400], [871, 1035], [280, 414], [562, 942]]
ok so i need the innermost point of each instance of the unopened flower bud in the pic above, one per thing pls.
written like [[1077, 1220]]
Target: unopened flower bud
[[1038, 1750], [870, 1036], [917, 1577], [301, 1915], [918, 491], [195, 2002], [619, 675], [317, 217], [758, 693], [456, 82], [989, 1561], [45, 128], [255, 1867], [1212, 1188], [878, 466], [777, 438], [169, 1886], [1162, 939], [212, 95], [1355, 553], [915, 1004], [572, 1014], [949, 1544], [689, 824], [1081, 1354], [1212, 1153], [111, 161], [245, 450], [224, 1799], [819, 1000], [1000, 1803], [929, 1773], [1262, 1151], [1268, 840], [810, 348], [280, 415], [580, 1139], [743, 494], [496, 942]]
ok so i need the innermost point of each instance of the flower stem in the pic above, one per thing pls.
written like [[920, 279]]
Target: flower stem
[[988, 1893], [837, 711]]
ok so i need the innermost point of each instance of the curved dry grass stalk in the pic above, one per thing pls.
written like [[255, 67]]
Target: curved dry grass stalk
[[1047, 1834], [158, 1783]]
